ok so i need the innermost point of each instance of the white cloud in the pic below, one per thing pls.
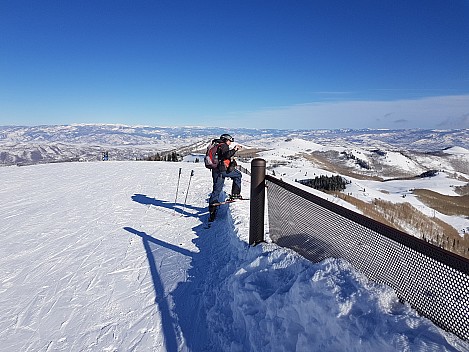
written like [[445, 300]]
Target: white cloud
[[430, 112]]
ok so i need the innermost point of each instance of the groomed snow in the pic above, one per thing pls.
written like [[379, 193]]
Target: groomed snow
[[98, 257]]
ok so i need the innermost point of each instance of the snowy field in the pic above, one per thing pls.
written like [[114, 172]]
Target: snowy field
[[100, 257], [395, 191]]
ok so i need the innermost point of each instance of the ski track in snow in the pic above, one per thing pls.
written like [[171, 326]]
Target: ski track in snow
[[99, 257]]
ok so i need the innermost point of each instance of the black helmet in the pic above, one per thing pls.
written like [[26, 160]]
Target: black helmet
[[226, 137]]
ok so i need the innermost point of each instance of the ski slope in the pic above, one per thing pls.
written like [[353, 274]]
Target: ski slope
[[287, 155], [99, 257]]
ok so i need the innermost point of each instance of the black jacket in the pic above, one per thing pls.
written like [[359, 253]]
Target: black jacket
[[224, 153]]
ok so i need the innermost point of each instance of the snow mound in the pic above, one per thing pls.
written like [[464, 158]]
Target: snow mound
[[402, 162], [456, 150]]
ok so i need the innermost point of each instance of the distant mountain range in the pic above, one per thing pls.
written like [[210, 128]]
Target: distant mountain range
[[56, 143]]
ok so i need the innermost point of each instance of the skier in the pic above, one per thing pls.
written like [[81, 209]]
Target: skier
[[226, 168]]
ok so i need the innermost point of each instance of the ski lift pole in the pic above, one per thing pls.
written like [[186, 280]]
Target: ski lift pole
[[177, 189], [187, 192]]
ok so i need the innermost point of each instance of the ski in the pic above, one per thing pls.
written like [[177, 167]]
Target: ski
[[228, 201], [221, 203], [229, 196]]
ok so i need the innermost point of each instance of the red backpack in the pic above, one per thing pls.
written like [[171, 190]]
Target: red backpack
[[211, 156]]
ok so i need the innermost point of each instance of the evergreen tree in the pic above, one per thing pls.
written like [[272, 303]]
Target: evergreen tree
[[326, 183]]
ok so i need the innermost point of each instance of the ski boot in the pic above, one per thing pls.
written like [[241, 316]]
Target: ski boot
[[213, 213]]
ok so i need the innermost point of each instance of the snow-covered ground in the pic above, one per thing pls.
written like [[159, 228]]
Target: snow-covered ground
[[99, 257], [398, 191]]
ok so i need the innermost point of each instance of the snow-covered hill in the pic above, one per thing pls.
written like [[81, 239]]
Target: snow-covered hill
[[101, 257], [26, 145], [359, 155], [289, 160]]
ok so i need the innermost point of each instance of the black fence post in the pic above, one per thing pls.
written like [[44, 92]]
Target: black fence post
[[257, 206]]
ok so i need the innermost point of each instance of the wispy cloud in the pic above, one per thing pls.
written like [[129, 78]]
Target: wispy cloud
[[333, 93], [429, 112], [458, 122]]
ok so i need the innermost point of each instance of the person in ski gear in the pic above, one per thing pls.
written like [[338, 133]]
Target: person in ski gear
[[226, 168]]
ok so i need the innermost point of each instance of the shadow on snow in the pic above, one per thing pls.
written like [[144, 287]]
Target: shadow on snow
[[168, 322], [194, 297], [168, 206]]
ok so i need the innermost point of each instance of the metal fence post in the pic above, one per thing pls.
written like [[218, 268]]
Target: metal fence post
[[257, 206]]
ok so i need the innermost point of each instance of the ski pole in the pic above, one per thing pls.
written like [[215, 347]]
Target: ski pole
[[187, 192], [177, 189]]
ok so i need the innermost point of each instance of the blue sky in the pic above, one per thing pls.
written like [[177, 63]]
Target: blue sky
[[258, 64]]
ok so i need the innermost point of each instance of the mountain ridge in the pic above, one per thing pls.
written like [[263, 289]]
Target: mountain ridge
[[52, 143]]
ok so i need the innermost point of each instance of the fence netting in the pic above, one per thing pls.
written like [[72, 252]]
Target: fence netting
[[433, 281]]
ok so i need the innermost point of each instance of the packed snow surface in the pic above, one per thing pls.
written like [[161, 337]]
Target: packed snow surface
[[103, 257]]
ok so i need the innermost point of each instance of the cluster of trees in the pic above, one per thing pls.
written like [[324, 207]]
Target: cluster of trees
[[173, 156], [379, 152], [326, 183], [405, 217], [429, 173], [360, 162]]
